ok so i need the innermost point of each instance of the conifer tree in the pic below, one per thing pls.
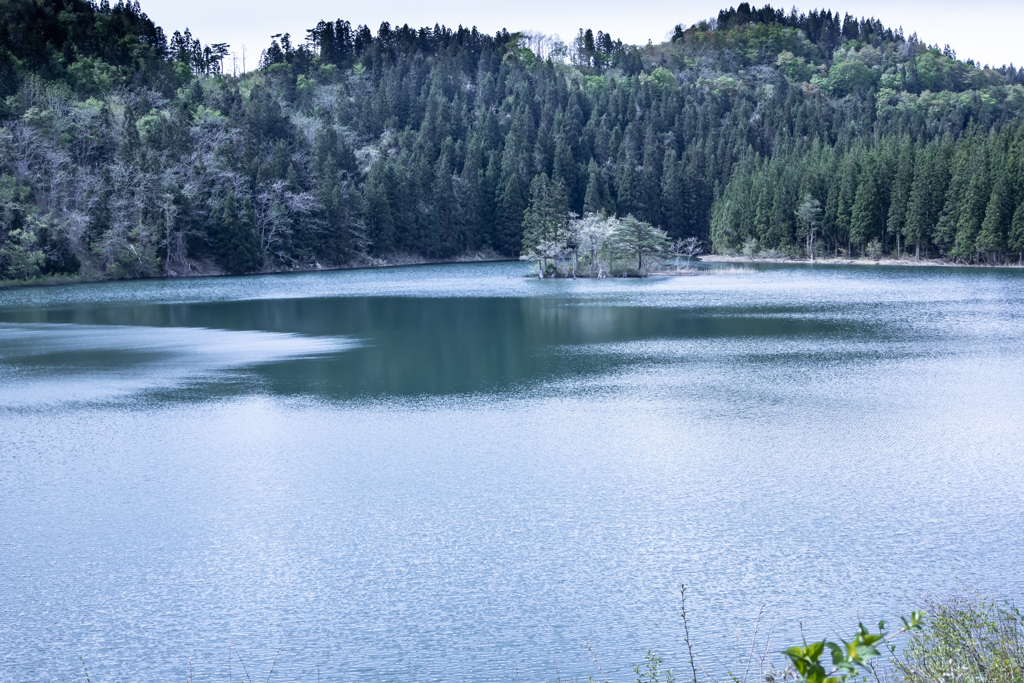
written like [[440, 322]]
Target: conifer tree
[[1016, 237], [446, 239], [674, 196], [509, 216], [972, 209], [991, 238], [629, 192], [380, 223], [487, 201], [900, 195], [545, 221], [641, 240], [592, 201], [916, 225], [567, 174], [848, 184], [236, 248], [866, 217], [948, 224]]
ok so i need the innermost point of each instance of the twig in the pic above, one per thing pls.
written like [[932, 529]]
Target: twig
[[587, 644], [686, 628], [705, 671], [274, 664], [237, 654], [229, 659], [721, 664], [767, 644], [86, 669], [753, 641]]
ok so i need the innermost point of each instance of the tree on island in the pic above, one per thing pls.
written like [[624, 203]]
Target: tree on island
[[595, 229], [689, 247], [545, 224], [640, 239]]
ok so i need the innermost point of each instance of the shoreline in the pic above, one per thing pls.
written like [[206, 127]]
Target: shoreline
[[405, 260], [933, 263], [393, 261]]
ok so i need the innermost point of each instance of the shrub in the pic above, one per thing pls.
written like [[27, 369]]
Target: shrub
[[966, 638]]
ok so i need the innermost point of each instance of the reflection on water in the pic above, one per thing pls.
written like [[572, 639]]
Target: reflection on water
[[47, 363], [412, 346], [456, 473]]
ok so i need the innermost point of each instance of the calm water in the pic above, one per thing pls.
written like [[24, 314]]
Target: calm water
[[454, 473]]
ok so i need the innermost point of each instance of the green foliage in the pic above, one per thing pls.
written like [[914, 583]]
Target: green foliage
[[967, 638], [651, 672], [847, 657], [664, 80], [850, 76], [793, 67], [236, 246], [20, 258], [545, 221], [641, 240], [1016, 238]]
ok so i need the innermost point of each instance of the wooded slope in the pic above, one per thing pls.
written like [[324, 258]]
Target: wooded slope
[[127, 154]]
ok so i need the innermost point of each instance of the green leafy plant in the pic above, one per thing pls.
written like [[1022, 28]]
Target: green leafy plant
[[847, 658], [652, 671]]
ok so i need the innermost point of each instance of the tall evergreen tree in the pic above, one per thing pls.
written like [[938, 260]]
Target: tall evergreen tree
[[1016, 237], [236, 247], [992, 237], [380, 222], [866, 216], [509, 216]]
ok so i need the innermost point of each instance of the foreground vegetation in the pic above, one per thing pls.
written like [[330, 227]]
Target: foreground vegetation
[[966, 638], [125, 153]]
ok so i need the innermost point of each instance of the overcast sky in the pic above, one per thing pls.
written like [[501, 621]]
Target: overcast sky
[[989, 31]]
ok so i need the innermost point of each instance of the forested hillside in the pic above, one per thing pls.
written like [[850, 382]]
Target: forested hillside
[[128, 154]]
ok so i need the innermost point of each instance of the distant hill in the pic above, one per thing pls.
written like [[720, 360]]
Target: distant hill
[[126, 153]]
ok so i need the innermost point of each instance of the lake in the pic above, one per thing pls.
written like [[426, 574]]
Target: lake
[[457, 473]]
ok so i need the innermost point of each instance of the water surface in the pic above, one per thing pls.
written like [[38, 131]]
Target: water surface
[[457, 473]]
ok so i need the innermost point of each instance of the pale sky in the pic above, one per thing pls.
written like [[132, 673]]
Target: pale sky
[[989, 31]]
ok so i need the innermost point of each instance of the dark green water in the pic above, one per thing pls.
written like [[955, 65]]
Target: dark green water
[[455, 472]]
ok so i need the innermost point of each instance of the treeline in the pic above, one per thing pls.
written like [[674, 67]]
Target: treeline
[[126, 154], [962, 198]]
